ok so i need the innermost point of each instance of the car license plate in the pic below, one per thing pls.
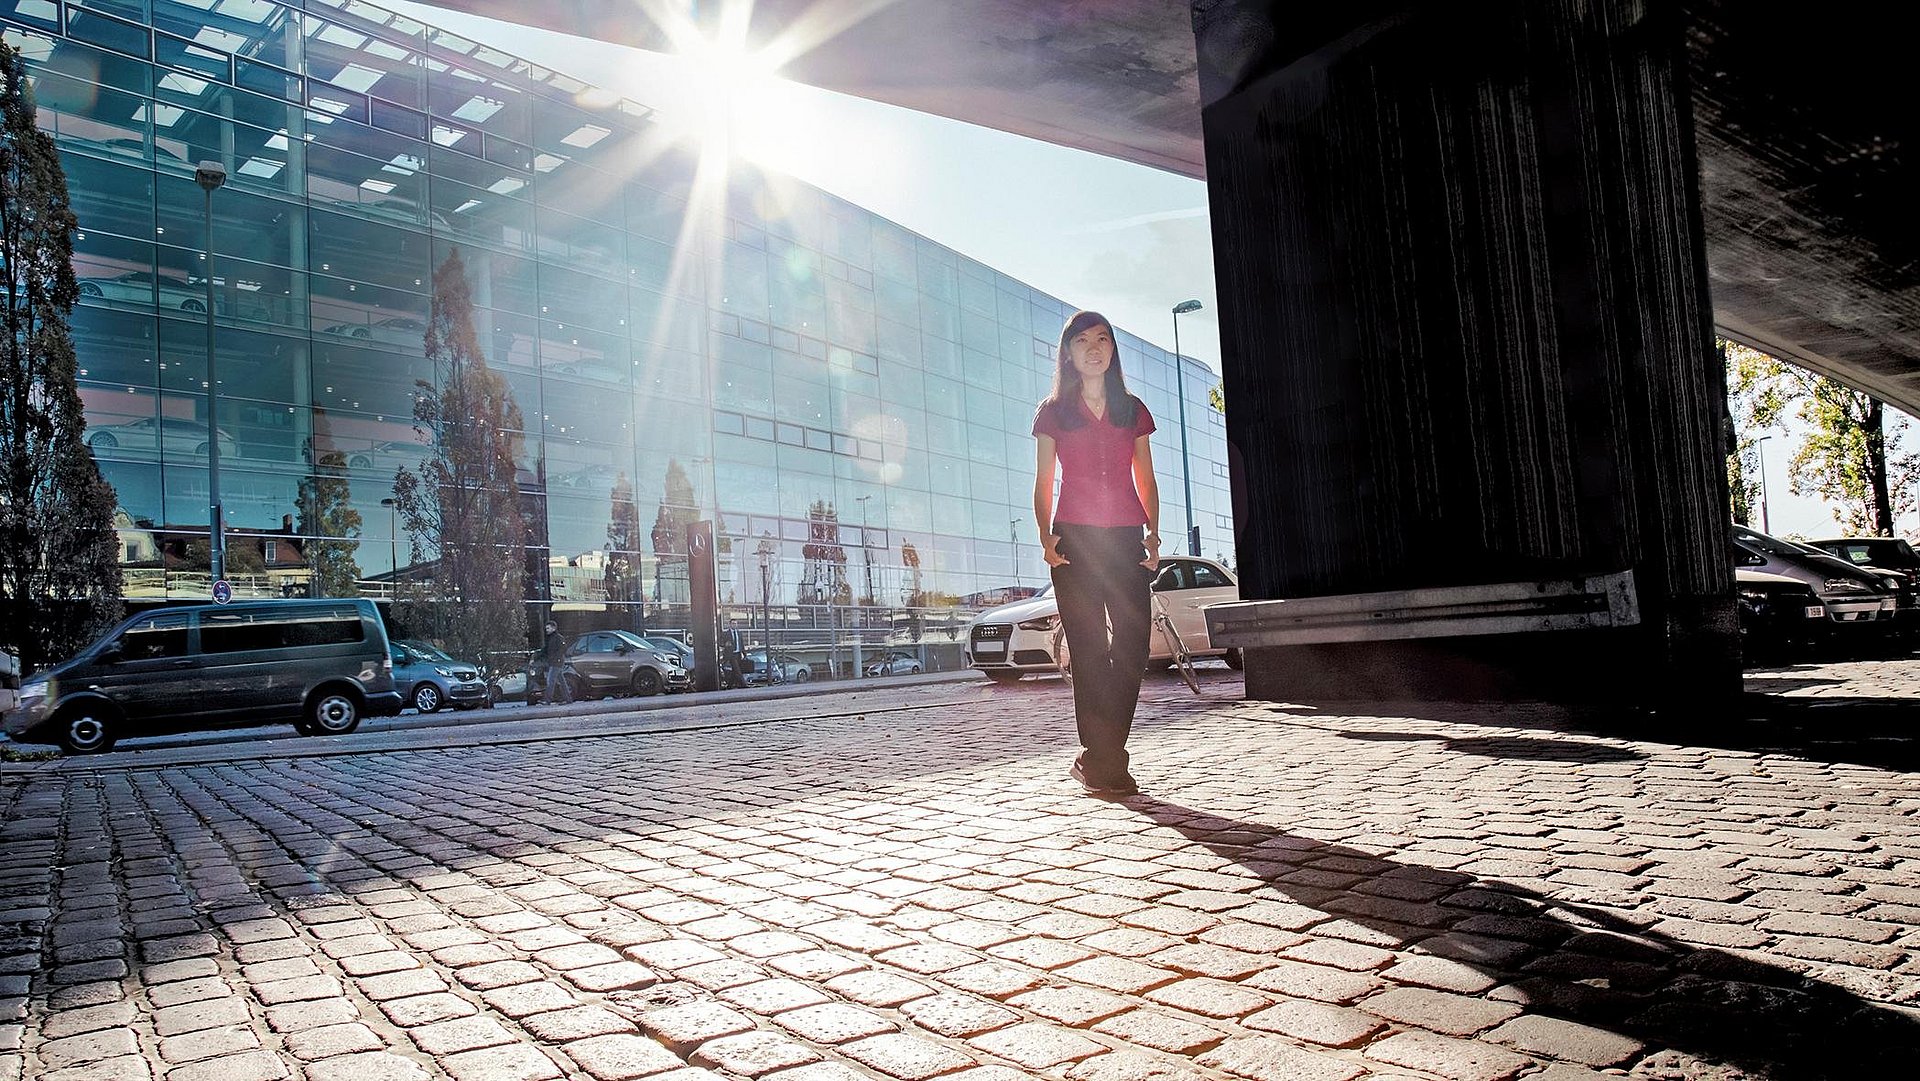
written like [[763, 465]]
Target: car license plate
[[996, 649]]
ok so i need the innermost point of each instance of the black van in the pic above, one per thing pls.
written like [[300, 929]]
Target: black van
[[320, 664]]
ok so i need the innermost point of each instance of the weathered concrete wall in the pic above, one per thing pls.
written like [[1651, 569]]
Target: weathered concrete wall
[[1466, 331]]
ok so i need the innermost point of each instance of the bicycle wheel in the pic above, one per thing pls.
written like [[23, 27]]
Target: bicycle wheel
[[1182, 658]]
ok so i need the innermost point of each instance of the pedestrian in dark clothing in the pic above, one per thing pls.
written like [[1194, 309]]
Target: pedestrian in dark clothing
[[558, 689], [1103, 565]]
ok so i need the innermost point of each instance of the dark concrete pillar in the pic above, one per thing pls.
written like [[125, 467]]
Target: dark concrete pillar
[[1466, 332]]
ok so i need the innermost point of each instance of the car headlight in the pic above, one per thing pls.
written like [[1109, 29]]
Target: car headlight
[[32, 692], [1845, 585], [1043, 623], [445, 672], [1891, 583]]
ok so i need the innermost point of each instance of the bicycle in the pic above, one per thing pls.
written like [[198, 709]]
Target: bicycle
[[1182, 657]]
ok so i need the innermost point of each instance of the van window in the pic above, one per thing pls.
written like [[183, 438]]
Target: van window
[[232, 632], [163, 634]]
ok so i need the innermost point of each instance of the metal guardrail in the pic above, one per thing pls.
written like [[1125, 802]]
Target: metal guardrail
[[1608, 600]]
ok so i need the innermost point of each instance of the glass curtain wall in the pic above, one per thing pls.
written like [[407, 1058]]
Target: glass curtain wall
[[850, 403]]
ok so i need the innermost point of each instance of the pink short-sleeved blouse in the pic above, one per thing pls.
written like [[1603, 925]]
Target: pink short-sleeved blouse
[[1096, 465]]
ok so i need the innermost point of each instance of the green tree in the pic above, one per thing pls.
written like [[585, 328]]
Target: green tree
[[60, 580], [623, 549], [461, 507], [1845, 458], [1217, 396], [327, 512]]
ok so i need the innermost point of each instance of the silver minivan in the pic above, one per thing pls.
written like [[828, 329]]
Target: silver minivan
[[323, 665], [1851, 595]]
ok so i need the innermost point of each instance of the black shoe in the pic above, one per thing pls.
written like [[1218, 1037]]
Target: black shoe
[[1125, 786]]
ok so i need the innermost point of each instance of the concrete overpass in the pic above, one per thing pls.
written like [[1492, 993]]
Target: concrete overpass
[[1806, 142], [1469, 258]]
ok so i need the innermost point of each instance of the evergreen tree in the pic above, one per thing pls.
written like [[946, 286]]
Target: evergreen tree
[[60, 581], [327, 511], [461, 507], [623, 549]]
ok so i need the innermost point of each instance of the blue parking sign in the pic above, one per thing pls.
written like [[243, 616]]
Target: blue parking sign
[[222, 591]]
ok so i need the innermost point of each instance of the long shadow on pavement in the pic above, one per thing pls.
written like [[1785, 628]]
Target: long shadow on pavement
[[1882, 732], [1573, 962]]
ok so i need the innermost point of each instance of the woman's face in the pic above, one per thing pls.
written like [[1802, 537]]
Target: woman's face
[[1091, 351]]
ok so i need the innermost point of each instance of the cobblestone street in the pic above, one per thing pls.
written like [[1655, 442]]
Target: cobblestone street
[[1456, 892]]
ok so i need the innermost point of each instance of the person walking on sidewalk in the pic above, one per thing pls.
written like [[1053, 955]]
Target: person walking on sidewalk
[[1096, 432], [559, 691]]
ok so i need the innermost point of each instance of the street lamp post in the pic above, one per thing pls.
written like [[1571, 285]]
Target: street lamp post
[[393, 540], [1013, 538], [866, 554], [1180, 388], [1760, 452], [766, 598], [210, 175]]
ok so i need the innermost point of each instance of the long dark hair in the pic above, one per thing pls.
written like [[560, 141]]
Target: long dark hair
[[1066, 381]]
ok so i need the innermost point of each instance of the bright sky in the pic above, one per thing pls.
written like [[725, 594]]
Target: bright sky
[[1099, 233]]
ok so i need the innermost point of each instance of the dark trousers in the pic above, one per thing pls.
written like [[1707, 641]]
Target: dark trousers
[[1103, 585], [559, 691]]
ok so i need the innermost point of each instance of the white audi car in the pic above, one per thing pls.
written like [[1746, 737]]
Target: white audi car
[[1015, 639]]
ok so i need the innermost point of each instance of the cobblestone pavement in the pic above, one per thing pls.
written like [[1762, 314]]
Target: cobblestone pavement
[[1463, 893]]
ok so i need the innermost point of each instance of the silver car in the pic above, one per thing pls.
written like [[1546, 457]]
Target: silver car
[[139, 287], [1851, 595], [157, 435]]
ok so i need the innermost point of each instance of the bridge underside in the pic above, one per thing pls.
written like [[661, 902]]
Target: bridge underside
[[1804, 128], [1469, 257]]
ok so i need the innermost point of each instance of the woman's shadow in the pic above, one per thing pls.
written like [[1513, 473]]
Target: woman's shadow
[[1575, 962]]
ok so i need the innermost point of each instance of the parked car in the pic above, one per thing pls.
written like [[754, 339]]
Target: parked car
[[389, 455], [787, 668], [1851, 596], [158, 435], [141, 287], [671, 647], [395, 330], [606, 663], [1778, 615], [430, 680], [1891, 555], [321, 664], [1016, 639], [894, 664], [9, 681]]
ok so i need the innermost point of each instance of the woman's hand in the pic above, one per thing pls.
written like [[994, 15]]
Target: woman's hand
[[1152, 542], [1050, 544]]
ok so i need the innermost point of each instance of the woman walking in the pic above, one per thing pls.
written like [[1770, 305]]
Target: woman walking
[[1096, 433]]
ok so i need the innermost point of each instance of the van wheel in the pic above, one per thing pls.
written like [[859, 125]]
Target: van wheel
[[333, 713], [426, 698], [85, 728]]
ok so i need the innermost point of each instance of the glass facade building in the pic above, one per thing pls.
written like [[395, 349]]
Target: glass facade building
[[841, 396]]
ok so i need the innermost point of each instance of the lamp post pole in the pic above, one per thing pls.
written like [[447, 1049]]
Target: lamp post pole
[[210, 175], [866, 556], [1760, 452], [1013, 538], [766, 598], [1180, 388], [393, 540]]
